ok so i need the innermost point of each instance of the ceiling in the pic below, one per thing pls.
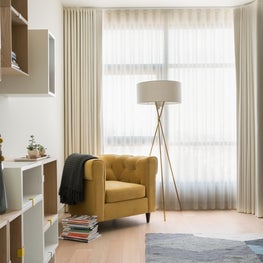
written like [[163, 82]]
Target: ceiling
[[154, 3]]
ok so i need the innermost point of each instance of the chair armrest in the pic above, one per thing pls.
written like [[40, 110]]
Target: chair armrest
[[94, 190], [147, 169]]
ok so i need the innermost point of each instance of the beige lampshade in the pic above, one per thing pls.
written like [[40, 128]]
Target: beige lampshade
[[158, 91]]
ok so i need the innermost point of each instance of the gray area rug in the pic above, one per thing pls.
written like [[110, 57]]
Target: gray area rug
[[185, 248]]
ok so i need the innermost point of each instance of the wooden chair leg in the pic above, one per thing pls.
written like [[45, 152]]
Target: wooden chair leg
[[148, 215]]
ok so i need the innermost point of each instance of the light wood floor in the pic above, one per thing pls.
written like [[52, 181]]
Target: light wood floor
[[123, 240]]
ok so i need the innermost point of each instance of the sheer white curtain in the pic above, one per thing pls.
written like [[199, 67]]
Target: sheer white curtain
[[195, 47]]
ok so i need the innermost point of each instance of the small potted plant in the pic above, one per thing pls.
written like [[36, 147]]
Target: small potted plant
[[32, 148], [41, 150]]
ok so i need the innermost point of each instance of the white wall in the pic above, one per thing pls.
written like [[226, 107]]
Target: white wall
[[22, 116]]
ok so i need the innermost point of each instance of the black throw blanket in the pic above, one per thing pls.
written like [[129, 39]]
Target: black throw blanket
[[71, 189]]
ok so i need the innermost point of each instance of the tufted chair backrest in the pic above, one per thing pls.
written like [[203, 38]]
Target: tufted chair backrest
[[124, 168]]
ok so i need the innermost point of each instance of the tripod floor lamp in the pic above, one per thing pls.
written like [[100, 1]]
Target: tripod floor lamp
[[159, 93]]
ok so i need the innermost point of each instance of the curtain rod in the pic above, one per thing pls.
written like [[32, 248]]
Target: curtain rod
[[159, 8]]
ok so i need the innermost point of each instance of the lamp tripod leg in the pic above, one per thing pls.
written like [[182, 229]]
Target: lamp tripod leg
[[161, 164], [159, 114], [170, 165], [153, 140]]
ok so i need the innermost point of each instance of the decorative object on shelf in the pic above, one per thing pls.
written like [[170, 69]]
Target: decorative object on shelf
[[35, 150], [41, 150], [32, 149], [14, 62], [159, 93], [27, 159], [3, 198]]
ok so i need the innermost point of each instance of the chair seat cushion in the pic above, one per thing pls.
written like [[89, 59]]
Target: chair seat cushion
[[116, 191]]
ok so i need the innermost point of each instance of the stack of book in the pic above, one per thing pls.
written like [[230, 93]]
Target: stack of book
[[80, 228], [14, 62]]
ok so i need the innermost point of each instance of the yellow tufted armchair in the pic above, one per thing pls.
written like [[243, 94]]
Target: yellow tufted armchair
[[118, 186]]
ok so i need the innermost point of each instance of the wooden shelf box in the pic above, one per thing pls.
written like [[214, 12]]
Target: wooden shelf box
[[14, 30], [41, 78]]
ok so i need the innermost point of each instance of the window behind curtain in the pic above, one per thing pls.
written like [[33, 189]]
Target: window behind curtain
[[195, 47]]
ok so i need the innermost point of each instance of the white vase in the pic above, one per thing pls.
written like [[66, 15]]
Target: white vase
[[32, 154], [42, 152]]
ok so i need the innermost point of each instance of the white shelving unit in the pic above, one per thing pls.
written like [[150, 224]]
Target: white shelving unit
[[50, 226], [11, 237], [24, 184], [51, 241], [41, 68], [32, 189]]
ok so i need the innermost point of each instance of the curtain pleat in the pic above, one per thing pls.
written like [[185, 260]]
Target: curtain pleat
[[245, 70], [248, 42], [259, 186], [82, 80]]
